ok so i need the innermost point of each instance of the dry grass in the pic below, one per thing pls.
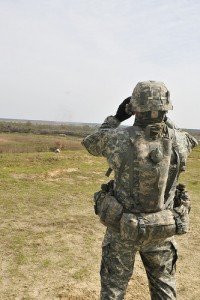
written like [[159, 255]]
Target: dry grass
[[50, 238], [28, 143]]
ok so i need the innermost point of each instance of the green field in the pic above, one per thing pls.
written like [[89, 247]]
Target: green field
[[50, 238]]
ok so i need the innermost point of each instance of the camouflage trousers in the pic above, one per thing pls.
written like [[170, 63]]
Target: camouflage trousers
[[118, 257]]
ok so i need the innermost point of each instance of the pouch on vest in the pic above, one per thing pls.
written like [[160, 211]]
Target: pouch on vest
[[108, 209], [159, 225]]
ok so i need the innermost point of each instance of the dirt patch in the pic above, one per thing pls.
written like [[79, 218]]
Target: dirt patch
[[56, 173]]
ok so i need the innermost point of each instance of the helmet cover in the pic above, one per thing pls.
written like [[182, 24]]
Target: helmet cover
[[150, 96]]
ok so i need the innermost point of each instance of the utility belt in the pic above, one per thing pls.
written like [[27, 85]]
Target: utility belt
[[148, 226], [151, 226]]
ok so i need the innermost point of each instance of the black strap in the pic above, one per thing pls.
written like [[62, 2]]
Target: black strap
[[109, 171]]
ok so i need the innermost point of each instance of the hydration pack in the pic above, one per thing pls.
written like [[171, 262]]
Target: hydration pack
[[148, 159]]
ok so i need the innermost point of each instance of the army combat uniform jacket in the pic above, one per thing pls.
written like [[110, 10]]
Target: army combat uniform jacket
[[146, 162], [128, 156]]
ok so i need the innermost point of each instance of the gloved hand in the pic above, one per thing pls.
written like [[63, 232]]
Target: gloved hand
[[121, 113]]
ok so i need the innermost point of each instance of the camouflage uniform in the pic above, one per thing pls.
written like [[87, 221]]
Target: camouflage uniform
[[118, 255]]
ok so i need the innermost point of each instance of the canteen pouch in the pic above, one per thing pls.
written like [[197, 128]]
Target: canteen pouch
[[154, 226], [108, 209]]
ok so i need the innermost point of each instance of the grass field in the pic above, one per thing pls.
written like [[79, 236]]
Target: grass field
[[50, 239]]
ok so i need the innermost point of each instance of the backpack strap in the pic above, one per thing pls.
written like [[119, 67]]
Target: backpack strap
[[176, 172], [109, 171]]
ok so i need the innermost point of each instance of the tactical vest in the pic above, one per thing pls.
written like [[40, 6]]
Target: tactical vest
[[148, 164]]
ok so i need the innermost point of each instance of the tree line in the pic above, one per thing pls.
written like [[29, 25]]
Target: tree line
[[50, 128]]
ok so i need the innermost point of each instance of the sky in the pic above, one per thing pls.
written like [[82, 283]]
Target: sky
[[77, 60]]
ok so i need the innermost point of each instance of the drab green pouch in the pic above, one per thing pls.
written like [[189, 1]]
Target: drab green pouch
[[156, 226], [108, 209]]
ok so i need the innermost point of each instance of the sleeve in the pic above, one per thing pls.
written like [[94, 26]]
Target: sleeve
[[185, 143], [192, 142], [96, 143], [188, 140]]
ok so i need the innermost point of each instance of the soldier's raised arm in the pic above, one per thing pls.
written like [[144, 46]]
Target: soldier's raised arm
[[96, 143]]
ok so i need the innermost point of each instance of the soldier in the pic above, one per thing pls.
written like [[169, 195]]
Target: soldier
[[147, 159]]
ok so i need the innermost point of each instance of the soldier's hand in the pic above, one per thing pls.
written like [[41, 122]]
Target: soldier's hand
[[121, 113]]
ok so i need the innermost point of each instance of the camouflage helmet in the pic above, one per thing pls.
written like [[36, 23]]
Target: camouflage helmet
[[150, 96]]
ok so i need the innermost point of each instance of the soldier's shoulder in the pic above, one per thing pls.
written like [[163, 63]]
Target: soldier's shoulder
[[126, 131], [185, 140]]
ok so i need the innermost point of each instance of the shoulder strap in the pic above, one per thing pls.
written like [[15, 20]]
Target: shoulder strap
[[175, 175]]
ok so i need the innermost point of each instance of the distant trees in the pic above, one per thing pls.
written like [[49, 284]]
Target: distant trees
[[47, 128]]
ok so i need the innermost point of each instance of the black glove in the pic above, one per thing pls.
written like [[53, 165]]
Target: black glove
[[121, 113]]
